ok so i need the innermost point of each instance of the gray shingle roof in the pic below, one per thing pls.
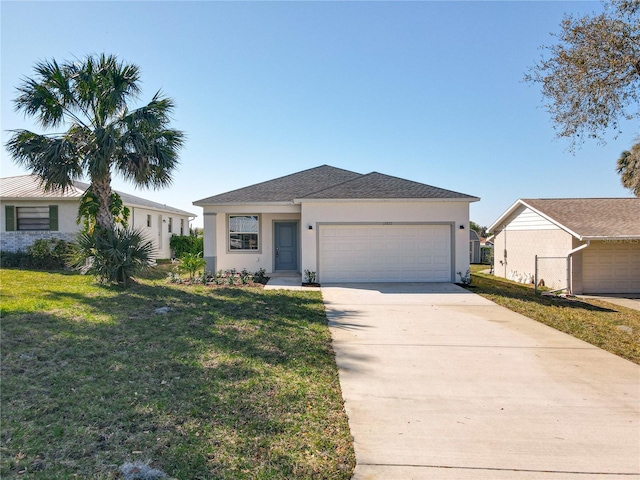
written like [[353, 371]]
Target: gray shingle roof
[[592, 217], [29, 186], [327, 182], [284, 189], [379, 186]]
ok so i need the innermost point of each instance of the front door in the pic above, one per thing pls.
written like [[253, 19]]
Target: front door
[[286, 243]]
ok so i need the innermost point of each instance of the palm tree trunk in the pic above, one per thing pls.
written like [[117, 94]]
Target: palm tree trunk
[[102, 190]]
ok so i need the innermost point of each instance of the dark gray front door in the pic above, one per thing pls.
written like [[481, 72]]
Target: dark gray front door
[[286, 241]]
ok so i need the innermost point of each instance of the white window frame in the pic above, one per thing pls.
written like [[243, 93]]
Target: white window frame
[[258, 247]]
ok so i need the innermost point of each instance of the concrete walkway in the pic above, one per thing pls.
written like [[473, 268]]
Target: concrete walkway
[[440, 383], [286, 281]]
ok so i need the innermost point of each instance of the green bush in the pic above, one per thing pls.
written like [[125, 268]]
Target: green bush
[[44, 254], [17, 259], [191, 263], [113, 256], [186, 244]]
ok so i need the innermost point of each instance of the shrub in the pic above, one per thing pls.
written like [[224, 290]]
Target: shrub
[[44, 254], [51, 254], [191, 263], [17, 259], [113, 255], [185, 244]]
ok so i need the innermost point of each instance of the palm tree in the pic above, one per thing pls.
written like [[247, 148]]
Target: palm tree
[[90, 99], [629, 169]]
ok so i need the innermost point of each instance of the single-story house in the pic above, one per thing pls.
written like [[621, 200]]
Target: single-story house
[[584, 245], [342, 225], [28, 213]]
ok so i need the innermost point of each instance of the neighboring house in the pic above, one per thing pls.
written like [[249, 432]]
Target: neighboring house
[[474, 247], [486, 251], [345, 226], [29, 213], [586, 245]]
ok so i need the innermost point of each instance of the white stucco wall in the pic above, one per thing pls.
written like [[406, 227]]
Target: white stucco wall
[[158, 232], [20, 240], [216, 230], [216, 236], [67, 227], [315, 213]]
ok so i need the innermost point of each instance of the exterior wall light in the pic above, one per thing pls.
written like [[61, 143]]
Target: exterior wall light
[[461, 227], [310, 227]]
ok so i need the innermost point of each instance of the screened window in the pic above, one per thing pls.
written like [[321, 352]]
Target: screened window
[[182, 226], [170, 224], [32, 218], [243, 232], [148, 220]]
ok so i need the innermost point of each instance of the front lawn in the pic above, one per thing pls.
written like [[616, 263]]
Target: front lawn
[[231, 383], [603, 324]]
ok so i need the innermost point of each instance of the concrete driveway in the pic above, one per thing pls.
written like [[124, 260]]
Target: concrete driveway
[[440, 383]]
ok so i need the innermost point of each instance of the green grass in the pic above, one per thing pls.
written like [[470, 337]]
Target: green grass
[[231, 383], [594, 321]]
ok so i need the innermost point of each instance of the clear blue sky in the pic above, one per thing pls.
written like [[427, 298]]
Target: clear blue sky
[[428, 91]]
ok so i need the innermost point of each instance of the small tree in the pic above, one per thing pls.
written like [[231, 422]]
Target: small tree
[[192, 263], [113, 255]]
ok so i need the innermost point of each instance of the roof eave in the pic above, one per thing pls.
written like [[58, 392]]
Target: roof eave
[[614, 238], [200, 203], [383, 200]]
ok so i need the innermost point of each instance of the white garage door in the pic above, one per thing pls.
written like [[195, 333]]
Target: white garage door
[[611, 267], [385, 253]]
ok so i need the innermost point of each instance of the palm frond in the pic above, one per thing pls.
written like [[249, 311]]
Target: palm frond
[[53, 159]]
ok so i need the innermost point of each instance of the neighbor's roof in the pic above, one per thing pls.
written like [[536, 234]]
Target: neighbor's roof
[[585, 218], [330, 183], [30, 186]]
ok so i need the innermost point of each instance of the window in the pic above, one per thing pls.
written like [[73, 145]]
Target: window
[[170, 228], [149, 221], [243, 232], [31, 218], [182, 226]]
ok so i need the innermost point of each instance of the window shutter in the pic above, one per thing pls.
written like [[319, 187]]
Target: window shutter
[[10, 218], [53, 218]]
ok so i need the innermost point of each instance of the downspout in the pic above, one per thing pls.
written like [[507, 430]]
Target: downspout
[[569, 272]]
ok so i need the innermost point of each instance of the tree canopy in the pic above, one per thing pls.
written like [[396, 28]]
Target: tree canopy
[[591, 76], [591, 79], [91, 98]]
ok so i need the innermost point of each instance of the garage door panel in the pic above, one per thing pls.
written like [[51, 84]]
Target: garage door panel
[[399, 253], [611, 267]]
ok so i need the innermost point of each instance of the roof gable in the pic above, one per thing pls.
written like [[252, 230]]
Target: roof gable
[[585, 218]]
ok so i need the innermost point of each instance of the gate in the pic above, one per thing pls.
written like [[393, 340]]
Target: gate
[[551, 273]]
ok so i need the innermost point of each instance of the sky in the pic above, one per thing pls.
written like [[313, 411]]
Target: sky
[[430, 91]]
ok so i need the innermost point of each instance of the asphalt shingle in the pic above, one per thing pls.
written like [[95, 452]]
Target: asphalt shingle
[[592, 217], [327, 182]]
